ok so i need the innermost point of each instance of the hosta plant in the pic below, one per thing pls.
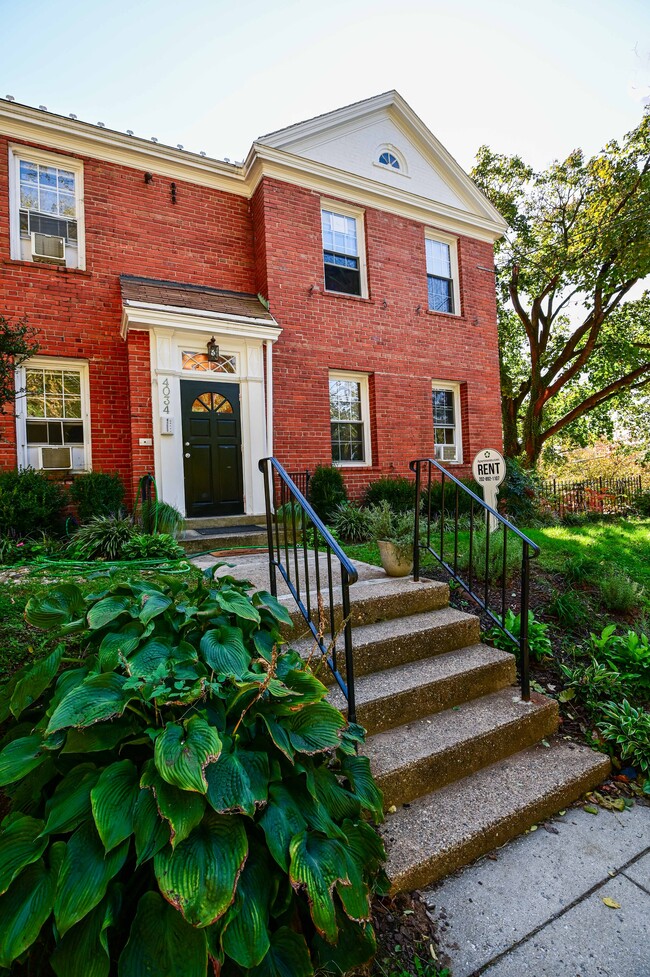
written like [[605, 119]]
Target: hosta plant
[[182, 799]]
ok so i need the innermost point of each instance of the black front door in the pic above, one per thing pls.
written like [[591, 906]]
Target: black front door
[[212, 448]]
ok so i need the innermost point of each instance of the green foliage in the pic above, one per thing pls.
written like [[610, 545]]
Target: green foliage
[[628, 654], [25, 550], [144, 546], [620, 594], [351, 523], [518, 493], [397, 491], [627, 728], [580, 569], [396, 527], [160, 517], [433, 503], [103, 538], [539, 643], [642, 504], [487, 555], [97, 494], [327, 491], [569, 608], [30, 503], [17, 344], [181, 794]]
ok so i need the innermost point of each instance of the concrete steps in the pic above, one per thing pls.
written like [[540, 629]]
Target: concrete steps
[[229, 532], [443, 830], [450, 742]]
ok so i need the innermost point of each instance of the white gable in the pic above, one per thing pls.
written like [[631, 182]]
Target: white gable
[[352, 139]]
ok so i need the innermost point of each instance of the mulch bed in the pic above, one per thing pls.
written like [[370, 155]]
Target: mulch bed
[[407, 938]]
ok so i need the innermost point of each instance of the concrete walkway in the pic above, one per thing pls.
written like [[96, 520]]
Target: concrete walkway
[[536, 908]]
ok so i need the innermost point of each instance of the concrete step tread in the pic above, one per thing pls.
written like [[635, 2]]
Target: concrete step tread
[[394, 681], [449, 827], [381, 587], [405, 746], [367, 635]]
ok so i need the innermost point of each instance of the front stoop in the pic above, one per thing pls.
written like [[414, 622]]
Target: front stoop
[[451, 744]]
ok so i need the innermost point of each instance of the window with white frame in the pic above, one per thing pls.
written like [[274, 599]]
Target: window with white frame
[[46, 193], [52, 415], [442, 275], [445, 401], [349, 418], [343, 251]]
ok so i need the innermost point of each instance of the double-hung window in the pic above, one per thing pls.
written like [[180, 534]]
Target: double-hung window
[[52, 415], [46, 208], [446, 421], [349, 416], [343, 251], [442, 275]]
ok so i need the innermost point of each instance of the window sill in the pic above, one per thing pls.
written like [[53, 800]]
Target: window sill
[[43, 266], [351, 464], [447, 315], [346, 295]]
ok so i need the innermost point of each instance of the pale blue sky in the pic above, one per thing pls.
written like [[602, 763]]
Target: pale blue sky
[[539, 78]]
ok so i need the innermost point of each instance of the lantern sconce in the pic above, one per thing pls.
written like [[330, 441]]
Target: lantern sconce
[[213, 351]]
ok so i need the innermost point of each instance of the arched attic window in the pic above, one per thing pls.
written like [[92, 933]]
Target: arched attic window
[[391, 158]]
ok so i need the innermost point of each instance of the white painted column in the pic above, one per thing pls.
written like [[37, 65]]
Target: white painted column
[[269, 396]]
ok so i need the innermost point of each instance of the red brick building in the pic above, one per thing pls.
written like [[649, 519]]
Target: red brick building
[[329, 299]]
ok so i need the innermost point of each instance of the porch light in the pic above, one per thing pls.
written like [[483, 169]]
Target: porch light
[[213, 351]]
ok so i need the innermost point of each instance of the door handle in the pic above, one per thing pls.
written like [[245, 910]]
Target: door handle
[[187, 454]]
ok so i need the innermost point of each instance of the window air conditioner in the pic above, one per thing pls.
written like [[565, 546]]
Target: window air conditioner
[[47, 247], [56, 458]]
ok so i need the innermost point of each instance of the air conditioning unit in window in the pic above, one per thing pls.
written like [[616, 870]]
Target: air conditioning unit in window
[[56, 458], [47, 247]]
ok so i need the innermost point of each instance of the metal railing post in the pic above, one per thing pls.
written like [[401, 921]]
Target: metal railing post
[[416, 529], [347, 637], [523, 625], [264, 468]]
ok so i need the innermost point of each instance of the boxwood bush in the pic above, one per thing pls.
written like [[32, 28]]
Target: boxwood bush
[[97, 494], [182, 799], [30, 503]]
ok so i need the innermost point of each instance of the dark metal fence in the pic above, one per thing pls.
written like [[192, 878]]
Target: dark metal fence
[[599, 495], [484, 553], [301, 480], [314, 567]]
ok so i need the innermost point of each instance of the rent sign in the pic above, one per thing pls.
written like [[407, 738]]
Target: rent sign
[[489, 470]]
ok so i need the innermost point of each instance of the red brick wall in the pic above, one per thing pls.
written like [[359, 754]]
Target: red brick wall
[[131, 228], [401, 349]]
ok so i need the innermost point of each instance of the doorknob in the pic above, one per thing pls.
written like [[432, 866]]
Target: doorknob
[[187, 454], [187, 444]]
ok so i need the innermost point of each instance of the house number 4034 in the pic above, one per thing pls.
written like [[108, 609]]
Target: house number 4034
[[166, 396]]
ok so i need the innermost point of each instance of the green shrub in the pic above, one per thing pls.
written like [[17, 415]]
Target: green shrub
[[30, 503], [97, 494], [327, 491], [569, 608], [580, 569], [396, 527], [620, 594], [642, 504], [518, 494], [144, 546], [103, 538], [591, 682], [627, 729], [539, 643], [181, 794], [351, 523], [487, 560], [160, 517], [629, 654], [464, 500], [397, 491], [14, 551]]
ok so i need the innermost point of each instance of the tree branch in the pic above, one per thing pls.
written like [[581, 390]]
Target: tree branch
[[601, 397]]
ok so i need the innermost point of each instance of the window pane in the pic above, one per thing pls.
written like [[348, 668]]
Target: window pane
[[53, 406], [345, 400], [53, 382], [344, 280], [48, 203], [438, 258], [34, 381], [47, 176], [36, 432], [440, 294], [66, 205], [28, 172], [339, 233], [54, 432], [73, 433], [72, 383], [35, 406], [72, 407], [28, 196], [66, 181]]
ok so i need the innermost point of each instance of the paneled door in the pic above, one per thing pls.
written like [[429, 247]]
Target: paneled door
[[212, 448]]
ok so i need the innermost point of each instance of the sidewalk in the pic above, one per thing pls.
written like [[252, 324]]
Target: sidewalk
[[536, 909]]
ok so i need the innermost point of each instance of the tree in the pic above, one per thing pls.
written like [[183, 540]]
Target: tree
[[17, 344], [578, 241]]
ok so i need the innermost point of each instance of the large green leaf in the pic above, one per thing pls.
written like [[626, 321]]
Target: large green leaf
[[162, 944], [278, 733], [281, 820], [151, 831], [20, 757], [182, 753], [270, 603], [234, 603], [113, 801], [357, 770], [118, 644], [246, 937], [337, 800], [153, 605], [83, 951], [96, 739], [60, 606], [6, 692], [107, 610], [238, 781], [288, 956], [306, 687], [181, 808], [85, 874], [25, 907], [34, 680], [317, 864], [97, 698], [20, 845], [315, 728], [200, 876], [69, 805], [224, 654], [154, 652], [354, 947]]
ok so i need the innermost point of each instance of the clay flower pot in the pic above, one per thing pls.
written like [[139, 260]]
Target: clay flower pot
[[393, 560]]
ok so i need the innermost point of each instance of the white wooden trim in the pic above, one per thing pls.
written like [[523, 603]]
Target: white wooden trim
[[434, 235], [348, 210], [454, 386], [362, 380]]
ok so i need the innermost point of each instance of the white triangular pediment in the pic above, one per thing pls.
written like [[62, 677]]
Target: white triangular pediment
[[353, 139]]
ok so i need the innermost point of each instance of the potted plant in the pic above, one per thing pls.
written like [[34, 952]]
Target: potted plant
[[394, 534]]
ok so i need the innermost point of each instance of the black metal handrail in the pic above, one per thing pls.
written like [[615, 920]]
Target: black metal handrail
[[492, 519], [297, 540]]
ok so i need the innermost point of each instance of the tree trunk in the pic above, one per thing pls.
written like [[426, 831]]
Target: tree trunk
[[511, 444]]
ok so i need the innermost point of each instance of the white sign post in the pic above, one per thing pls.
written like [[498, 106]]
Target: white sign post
[[489, 470]]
